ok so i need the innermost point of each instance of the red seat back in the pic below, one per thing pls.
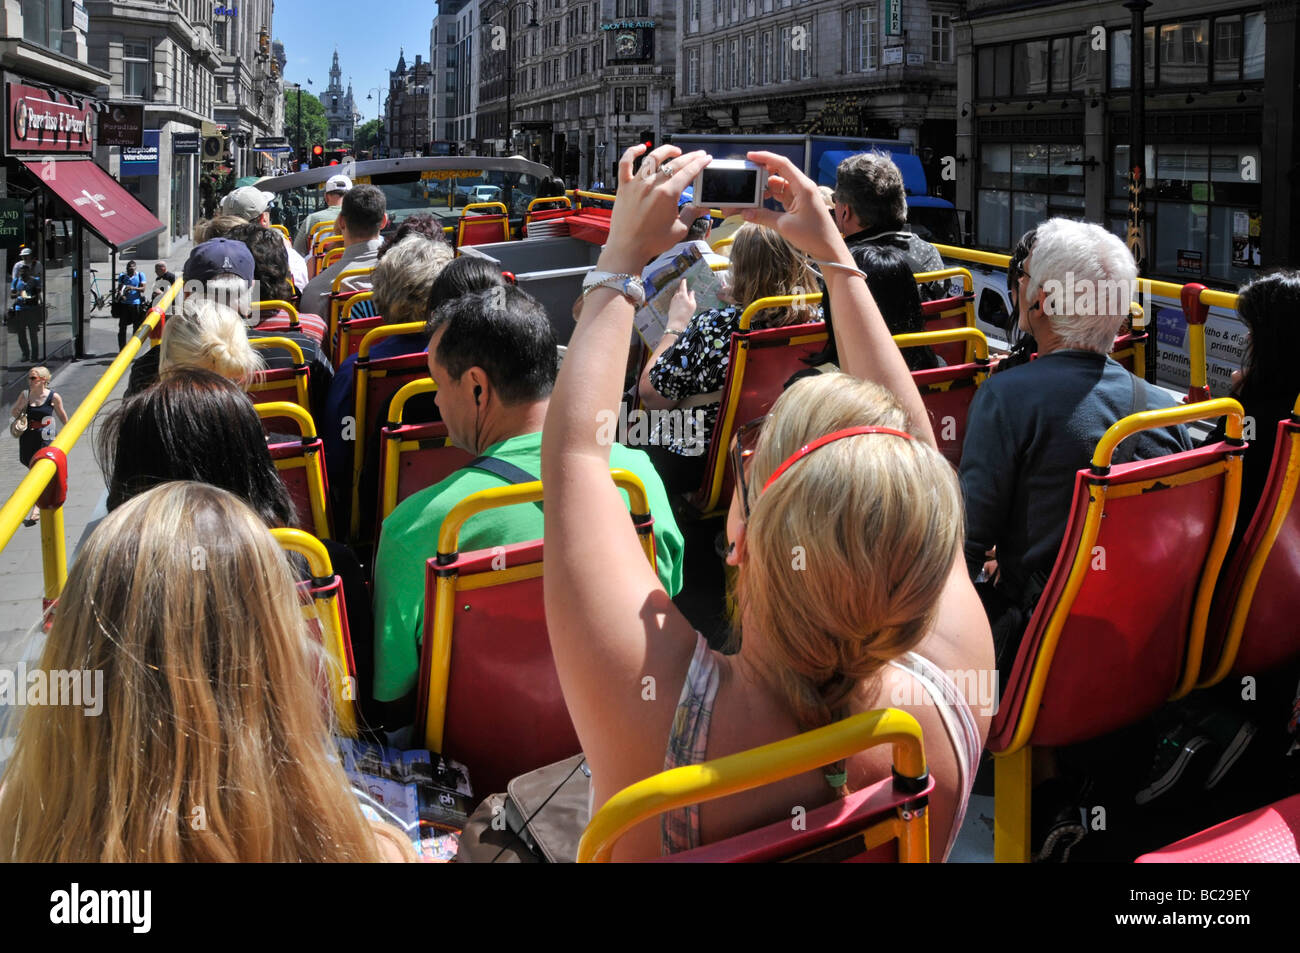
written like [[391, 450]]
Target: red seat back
[[301, 466], [760, 363], [425, 456], [1257, 605], [1270, 835], [351, 333], [505, 711], [1123, 613], [947, 393], [942, 314]]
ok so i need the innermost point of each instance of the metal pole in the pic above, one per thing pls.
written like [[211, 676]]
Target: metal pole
[[510, 74], [300, 121], [1137, 238]]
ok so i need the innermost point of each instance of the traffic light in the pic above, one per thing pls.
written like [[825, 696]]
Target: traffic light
[[317, 156], [645, 137]]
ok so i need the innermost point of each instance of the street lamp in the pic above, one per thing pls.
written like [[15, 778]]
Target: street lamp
[[377, 94], [509, 6]]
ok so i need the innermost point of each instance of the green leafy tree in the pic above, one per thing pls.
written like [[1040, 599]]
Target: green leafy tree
[[367, 135], [314, 127]]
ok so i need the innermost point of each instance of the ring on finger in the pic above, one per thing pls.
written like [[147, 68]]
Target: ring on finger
[[667, 170]]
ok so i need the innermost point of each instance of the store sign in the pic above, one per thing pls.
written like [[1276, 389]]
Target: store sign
[[12, 222], [121, 125], [41, 120], [892, 56], [142, 160], [893, 17], [629, 25], [915, 59], [1189, 262], [185, 143], [1225, 345], [80, 20]]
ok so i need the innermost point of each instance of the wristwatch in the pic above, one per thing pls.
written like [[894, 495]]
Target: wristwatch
[[629, 286]]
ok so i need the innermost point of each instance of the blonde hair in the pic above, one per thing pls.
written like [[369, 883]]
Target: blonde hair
[[403, 278], [764, 264], [212, 336], [847, 552], [42, 372], [218, 226], [212, 706]]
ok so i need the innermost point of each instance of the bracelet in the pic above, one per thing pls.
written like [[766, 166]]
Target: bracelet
[[668, 331], [850, 269]]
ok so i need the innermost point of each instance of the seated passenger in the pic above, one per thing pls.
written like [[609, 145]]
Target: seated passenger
[[688, 368], [361, 216], [208, 688], [336, 187], [271, 283], [1023, 345], [403, 282], [874, 603], [1032, 428], [1268, 383], [195, 425], [207, 327], [889, 278], [251, 204], [492, 355], [219, 226], [871, 209]]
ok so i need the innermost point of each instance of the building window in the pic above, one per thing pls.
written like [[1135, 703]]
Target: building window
[[641, 99], [803, 56], [733, 63], [136, 70], [693, 70], [1029, 68], [765, 57], [1022, 185], [1225, 49], [783, 55], [750, 64], [940, 38], [860, 39], [220, 35], [719, 70], [1184, 52]]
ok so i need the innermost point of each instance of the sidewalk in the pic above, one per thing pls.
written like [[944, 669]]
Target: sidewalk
[[20, 561]]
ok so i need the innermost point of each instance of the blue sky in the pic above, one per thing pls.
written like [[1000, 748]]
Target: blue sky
[[367, 33]]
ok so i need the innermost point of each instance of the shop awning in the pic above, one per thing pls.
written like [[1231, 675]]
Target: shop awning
[[106, 208]]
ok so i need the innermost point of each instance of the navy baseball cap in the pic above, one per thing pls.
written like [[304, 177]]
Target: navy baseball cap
[[220, 256]]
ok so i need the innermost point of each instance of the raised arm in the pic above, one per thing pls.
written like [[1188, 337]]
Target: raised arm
[[866, 349], [611, 624]]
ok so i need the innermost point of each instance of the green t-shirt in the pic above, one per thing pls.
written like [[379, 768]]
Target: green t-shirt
[[410, 538]]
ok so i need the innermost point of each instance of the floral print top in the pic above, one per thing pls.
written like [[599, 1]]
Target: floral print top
[[696, 363]]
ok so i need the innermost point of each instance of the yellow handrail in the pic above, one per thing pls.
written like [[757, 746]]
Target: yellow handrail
[[54, 556], [973, 336], [774, 301], [746, 770]]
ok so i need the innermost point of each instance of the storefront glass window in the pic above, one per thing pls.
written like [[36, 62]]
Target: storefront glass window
[[1184, 52], [1045, 181], [1029, 67]]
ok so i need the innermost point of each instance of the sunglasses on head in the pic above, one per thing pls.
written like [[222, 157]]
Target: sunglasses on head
[[745, 443]]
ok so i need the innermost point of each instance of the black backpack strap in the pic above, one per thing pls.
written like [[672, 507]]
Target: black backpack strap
[[507, 471], [1139, 404]]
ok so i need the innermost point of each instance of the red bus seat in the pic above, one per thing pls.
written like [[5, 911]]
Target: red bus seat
[[547, 209], [884, 822], [328, 618], [283, 316], [760, 364], [340, 296], [1104, 647], [1253, 624], [944, 314], [354, 322], [481, 224], [947, 392], [301, 465], [1270, 835], [375, 382], [281, 384], [489, 695], [413, 456]]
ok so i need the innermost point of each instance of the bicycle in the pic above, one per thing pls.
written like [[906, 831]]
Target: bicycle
[[98, 300]]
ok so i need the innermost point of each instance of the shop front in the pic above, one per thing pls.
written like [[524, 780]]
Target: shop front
[[53, 197]]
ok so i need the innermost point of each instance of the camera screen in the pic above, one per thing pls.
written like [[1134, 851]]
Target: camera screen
[[728, 186]]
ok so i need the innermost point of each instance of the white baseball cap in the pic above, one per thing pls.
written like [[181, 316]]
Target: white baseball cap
[[246, 202], [338, 183], [24, 253]]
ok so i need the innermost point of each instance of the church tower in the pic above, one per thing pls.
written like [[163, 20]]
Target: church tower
[[340, 111]]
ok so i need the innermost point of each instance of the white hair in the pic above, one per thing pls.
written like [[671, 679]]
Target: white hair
[[404, 278], [1089, 279]]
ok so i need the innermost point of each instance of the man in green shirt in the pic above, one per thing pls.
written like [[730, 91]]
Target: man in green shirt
[[493, 356]]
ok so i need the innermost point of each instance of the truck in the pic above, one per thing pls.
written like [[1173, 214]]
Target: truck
[[930, 217]]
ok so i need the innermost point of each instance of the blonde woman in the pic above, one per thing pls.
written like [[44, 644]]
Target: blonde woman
[[211, 741], [689, 366], [40, 405], [873, 614], [202, 333]]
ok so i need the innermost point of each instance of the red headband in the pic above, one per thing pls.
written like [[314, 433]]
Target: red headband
[[823, 441]]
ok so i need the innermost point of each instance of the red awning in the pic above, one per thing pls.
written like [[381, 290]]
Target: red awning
[[109, 210]]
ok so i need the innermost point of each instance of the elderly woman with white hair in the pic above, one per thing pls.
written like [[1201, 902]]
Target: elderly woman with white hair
[[1031, 428]]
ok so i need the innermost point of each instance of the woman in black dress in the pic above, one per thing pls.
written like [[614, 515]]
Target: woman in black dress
[[41, 405]]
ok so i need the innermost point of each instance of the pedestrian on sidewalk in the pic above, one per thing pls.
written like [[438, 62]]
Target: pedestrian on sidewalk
[[27, 313], [128, 302], [41, 405]]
